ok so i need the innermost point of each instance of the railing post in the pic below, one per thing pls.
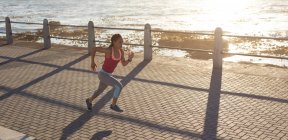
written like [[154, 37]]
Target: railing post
[[46, 34], [9, 37], [147, 42], [218, 46], [91, 36]]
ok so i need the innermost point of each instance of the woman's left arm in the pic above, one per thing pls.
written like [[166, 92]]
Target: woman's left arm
[[125, 62]]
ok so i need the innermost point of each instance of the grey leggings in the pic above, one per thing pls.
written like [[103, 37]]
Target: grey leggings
[[106, 79]]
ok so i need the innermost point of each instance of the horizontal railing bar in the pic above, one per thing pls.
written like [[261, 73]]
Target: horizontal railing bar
[[3, 32], [112, 28], [264, 56], [102, 41], [26, 23], [68, 38], [123, 43], [255, 37], [50, 24], [133, 44], [24, 33], [167, 31], [78, 26], [2, 21], [239, 36], [187, 49], [30, 35]]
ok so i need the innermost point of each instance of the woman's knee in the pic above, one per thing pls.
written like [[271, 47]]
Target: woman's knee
[[100, 90], [119, 85], [117, 90], [102, 86]]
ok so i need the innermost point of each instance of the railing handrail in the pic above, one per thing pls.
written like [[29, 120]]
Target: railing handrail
[[253, 55], [183, 32], [158, 30], [66, 25], [108, 42], [26, 23], [167, 31], [255, 37], [188, 49], [117, 28], [67, 38]]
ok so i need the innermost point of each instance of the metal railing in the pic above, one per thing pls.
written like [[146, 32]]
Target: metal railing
[[255, 37], [63, 25], [186, 49], [108, 42], [110, 28], [26, 23], [253, 55], [182, 32], [66, 38], [217, 50]]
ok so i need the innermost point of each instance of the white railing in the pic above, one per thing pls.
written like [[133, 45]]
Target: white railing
[[217, 51]]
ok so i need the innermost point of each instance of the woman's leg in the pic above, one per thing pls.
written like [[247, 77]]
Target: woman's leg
[[100, 89], [111, 81], [102, 86], [114, 101]]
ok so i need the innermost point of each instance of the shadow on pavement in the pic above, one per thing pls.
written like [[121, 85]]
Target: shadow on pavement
[[19, 57], [81, 120], [21, 88], [213, 103], [100, 135]]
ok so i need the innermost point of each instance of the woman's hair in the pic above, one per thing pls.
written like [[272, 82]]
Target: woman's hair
[[114, 38]]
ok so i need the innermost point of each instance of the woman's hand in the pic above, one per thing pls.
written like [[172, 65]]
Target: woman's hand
[[93, 66], [130, 55]]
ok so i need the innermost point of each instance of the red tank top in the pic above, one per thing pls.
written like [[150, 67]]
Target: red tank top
[[110, 64]]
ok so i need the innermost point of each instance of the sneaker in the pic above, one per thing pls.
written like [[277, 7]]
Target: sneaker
[[89, 104], [116, 108]]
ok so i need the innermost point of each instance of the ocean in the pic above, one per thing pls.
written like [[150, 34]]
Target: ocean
[[238, 17]]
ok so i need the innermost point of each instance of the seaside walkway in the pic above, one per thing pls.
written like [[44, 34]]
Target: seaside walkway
[[42, 94]]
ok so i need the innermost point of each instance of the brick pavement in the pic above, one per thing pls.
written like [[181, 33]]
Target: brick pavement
[[42, 94]]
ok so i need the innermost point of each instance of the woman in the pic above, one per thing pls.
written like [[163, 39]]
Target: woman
[[113, 54]]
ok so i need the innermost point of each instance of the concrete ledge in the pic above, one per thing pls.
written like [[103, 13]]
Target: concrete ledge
[[8, 134]]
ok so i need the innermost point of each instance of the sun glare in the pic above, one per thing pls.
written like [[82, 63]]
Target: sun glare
[[227, 5], [227, 8], [223, 11]]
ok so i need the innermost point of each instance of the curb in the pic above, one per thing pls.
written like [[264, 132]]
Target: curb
[[8, 134]]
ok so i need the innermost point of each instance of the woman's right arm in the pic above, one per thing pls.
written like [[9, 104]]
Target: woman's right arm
[[93, 52]]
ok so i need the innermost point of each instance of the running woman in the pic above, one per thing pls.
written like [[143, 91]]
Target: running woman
[[113, 55]]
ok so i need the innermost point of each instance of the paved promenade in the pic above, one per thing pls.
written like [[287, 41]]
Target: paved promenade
[[42, 94]]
